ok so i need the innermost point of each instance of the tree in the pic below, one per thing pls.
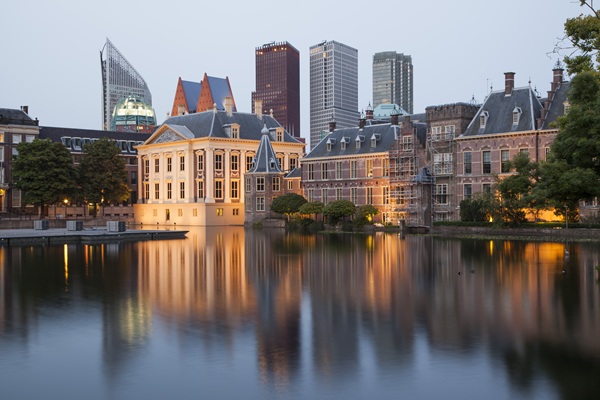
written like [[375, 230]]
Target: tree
[[44, 171], [312, 207], [479, 208], [287, 204], [516, 191], [338, 210], [102, 174], [365, 214]]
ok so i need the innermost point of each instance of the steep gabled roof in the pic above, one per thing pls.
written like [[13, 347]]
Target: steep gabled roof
[[191, 91], [217, 123], [265, 160], [219, 87], [11, 116], [498, 109], [557, 108]]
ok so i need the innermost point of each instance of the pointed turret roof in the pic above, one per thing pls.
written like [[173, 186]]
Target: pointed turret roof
[[265, 160]]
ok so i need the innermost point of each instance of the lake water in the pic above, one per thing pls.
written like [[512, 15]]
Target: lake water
[[234, 314]]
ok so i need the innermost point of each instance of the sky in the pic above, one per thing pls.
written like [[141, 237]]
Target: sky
[[50, 49]]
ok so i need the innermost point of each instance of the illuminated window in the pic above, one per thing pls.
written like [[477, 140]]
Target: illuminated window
[[194, 212], [219, 212]]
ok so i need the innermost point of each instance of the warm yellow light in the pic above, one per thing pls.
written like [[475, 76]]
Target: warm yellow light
[[65, 201]]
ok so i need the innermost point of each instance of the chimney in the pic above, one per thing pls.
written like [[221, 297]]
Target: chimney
[[394, 119], [362, 122], [25, 109], [557, 78], [369, 113], [258, 108], [228, 103], [509, 83], [332, 126]]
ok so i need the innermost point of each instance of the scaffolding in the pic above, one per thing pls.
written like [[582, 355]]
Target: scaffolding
[[440, 146]]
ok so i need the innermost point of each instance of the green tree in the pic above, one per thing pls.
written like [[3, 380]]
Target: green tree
[[102, 174], [365, 213], [288, 204], [516, 191], [44, 171], [479, 208], [312, 207], [338, 210]]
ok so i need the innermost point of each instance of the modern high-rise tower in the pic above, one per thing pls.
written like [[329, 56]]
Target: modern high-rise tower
[[393, 80], [333, 88], [278, 83], [119, 80]]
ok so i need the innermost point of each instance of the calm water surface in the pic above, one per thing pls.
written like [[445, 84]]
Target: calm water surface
[[228, 313]]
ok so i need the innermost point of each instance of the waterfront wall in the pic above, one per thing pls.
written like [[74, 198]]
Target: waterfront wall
[[578, 233]]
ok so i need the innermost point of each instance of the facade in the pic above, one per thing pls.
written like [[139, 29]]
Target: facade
[[193, 97], [192, 168], [15, 127], [119, 80], [393, 80], [333, 88], [133, 114], [74, 140], [278, 83], [510, 121]]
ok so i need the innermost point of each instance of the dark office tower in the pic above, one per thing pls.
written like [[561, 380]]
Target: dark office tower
[[278, 84], [393, 80]]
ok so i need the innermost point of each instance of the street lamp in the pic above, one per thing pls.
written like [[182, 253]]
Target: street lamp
[[65, 201]]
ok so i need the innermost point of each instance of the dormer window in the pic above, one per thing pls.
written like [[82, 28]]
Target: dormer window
[[279, 134], [483, 119], [374, 140], [343, 142], [359, 139], [272, 163], [516, 116], [235, 132], [330, 143]]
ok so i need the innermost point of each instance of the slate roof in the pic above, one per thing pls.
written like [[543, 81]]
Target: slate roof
[[384, 134], [11, 116], [557, 108], [265, 160], [219, 87], [192, 93], [215, 124], [500, 107], [295, 173]]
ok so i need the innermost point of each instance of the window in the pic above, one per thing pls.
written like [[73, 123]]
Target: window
[[311, 171], [169, 166], [249, 162], [386, 167], [280, 162], [169, 195], [293, 163], [324, 196], [2, 137], [504, 159], [260, 204], [369, 195], [156, 165], [487, 188], [16, 198], [386, 195], [194, 212], [235, 189], [134, 176], [182, 163], [407, 143], [218, 189], [279, 135], [441, 194], [156, 191], [338, 170], [467, 191], [324, 170], [219, 212], [260, 183], [29, 138], [16, 138], [353, 170], [311, 195], [182, 190], [248, 184], [449, 132], [180, 212], [354, 195], [524, 150], [436, 133], [486, 162], [248, 204], [235, 132], [290, 184], [467, 157], [369, 168], [338, 193], [276, 184], [200, 189], [483, 120], [235, 161], [146, 166], [146, 190], [200, 161], [235, 211], [516, 116], [218, 162]]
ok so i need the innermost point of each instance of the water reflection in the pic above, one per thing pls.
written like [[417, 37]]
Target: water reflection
[[303, 313]]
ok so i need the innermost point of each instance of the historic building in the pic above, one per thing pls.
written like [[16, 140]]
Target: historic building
[[393, 80], [192, 168], [15, 127], [333, 88], [194, 97], [119, 80], [509, 121], [278, 83], [74, 140], [133, 114]]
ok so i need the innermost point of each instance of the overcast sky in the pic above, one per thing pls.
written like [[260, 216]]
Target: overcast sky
[[50, 53]]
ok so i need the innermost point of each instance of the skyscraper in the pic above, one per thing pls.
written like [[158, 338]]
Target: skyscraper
[[119, 80], [278, 83], [333, 88], [393, 80]]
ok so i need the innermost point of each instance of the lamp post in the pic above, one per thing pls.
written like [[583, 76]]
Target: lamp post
[[65, 201]]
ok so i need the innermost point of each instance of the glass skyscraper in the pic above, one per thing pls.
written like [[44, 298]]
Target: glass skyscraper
[[278, 84], [119, 80], [393, 80], [333, 88]]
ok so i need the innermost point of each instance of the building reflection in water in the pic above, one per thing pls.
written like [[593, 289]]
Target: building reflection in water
[[323, 303]]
